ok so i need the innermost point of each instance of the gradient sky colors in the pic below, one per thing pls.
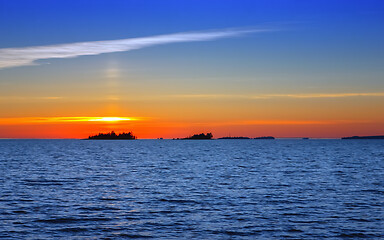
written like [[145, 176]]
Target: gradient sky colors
[[163, 68]]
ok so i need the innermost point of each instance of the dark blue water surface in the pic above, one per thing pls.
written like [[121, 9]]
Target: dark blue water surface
[[212, 189]]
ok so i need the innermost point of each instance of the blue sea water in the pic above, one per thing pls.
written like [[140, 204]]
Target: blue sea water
[[212, 189]]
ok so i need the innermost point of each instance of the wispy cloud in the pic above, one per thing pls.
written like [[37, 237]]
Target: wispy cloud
[[14, 57], [271, 96], [23, 98], [325, 95], [299, 122], [42, 120]]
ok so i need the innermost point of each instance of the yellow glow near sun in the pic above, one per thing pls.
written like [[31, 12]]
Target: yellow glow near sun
[[109, 119]]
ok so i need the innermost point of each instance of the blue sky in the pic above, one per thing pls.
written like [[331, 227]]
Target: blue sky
[[322, 25], [318, 37], [47, 22]]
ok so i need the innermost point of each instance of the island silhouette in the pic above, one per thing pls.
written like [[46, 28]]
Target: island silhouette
[[200, 136], [113, 136], [129, 136], [234, 138], [264, 138]]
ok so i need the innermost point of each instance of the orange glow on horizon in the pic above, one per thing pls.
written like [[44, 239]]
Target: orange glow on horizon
[[82, 127]]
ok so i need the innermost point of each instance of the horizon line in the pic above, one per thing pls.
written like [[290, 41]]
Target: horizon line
[[250, 138]]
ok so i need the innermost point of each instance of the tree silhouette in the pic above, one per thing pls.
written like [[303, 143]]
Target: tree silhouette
[[201, 136], [112, 136]]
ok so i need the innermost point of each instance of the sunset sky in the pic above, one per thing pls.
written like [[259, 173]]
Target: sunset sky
[[172, 68]]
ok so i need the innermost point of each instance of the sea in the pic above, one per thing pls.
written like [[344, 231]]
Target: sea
[[192, 189]]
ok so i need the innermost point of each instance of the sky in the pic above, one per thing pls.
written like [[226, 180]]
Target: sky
[[171, 68]]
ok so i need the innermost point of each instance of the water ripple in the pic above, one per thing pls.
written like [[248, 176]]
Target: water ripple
[[293, 189]]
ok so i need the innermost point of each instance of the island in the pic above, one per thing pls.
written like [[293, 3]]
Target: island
[[200, 136], [113, 136], [234, 138], [264, 138], [363, 137]]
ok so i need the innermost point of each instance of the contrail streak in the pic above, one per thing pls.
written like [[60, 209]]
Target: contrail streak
[[15, 57]]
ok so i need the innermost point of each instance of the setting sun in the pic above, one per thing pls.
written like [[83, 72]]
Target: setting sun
[[110, 119]]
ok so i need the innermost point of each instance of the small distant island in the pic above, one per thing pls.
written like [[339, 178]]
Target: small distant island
[[262, 138], [234, 138], [200, 136], [113, 136], [267, 137], [364, 137]]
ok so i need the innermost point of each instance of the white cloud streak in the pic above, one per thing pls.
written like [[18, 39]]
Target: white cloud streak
[[15, 57], [325, 95], [273, 96]]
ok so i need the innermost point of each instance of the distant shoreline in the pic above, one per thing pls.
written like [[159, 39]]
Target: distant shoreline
[[277, 138], [363, 137]]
